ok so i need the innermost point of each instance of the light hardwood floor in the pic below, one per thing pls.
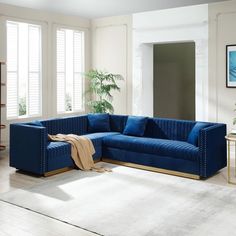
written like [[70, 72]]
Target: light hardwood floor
[[22, 222]]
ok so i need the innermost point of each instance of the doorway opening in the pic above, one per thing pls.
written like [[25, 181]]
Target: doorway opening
[[174, 80]]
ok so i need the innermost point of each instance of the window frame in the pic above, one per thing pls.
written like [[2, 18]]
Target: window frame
[[43, 64], [54, 56]]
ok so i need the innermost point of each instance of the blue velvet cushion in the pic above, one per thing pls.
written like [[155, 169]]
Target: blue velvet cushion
[[98, 123], [158, 147], [97, 140], [135, 126], [118, 122], [193, 135], [36, 123]]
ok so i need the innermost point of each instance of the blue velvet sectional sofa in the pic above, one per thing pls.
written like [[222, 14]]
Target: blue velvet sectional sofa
[[164, 145]]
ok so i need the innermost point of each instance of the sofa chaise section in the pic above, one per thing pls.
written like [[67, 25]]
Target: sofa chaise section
[[31, 151]]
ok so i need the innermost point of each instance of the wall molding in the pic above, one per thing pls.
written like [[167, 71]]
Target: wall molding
[[216, 20], [96, 28], [199, 36], [170, 27]]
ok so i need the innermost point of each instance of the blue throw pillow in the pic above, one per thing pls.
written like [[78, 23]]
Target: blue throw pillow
[[193, 135], [98, 123], [36, 123], [135, 126]]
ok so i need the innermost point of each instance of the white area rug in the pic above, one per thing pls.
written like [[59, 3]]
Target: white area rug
[[131, 202]]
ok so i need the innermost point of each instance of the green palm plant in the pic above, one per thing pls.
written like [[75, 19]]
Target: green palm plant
[[234, 120], [101, 84]]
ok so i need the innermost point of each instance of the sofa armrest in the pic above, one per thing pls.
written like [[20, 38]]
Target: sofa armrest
[[212, 148], [28, 147]]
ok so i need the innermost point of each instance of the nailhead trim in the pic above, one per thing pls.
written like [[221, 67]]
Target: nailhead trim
[[203, 146], [43, 140], [204, 150], [201, 152]]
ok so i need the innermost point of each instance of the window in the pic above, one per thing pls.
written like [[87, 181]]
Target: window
[[23, 70], [70, 65]]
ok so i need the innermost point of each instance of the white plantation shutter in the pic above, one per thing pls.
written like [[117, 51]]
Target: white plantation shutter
[[70, 65], [12, 70], [61, 70], [34, 70], [78, 68], [23, 69]]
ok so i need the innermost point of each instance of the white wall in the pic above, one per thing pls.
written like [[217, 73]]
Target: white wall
[[111, 40], [48, 21], [222, 18], [186, 24], [123, 44]]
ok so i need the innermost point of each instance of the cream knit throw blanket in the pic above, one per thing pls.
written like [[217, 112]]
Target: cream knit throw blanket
[[81, 150]]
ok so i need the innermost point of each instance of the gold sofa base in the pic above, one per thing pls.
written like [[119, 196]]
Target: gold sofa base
[[132, 165], [150, 168]]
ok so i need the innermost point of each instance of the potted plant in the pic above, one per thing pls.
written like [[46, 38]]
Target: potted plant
[[101, 84], [234, 120], [233, 130]]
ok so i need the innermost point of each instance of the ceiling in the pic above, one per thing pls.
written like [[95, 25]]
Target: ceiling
[[103, 8]]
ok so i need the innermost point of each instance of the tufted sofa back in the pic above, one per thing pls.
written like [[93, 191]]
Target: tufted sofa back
[[156, 127], [68, 125], [118, 122], [169, 128], [79, 124]]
